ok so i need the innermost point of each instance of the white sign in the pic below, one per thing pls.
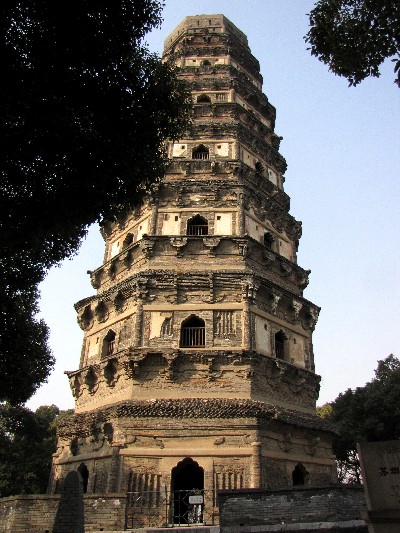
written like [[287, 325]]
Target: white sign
[[195, 500]]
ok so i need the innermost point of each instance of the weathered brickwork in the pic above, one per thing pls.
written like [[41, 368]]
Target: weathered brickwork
[[338, 508], [197, 360], [36, 513]]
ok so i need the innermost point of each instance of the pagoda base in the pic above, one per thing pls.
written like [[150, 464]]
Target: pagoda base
[[165, 446]]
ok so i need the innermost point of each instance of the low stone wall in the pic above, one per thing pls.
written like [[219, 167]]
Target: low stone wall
[[259, 510], [36, 513]]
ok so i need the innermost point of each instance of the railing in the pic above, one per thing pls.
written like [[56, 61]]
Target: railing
[[110, 347], [170, 508], [279, 350], [200, 155], [197, 229], [193, 337]]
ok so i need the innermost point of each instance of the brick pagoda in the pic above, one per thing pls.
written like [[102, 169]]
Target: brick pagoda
[[197, 366]]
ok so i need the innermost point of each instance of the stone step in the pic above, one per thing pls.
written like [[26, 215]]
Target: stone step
[[180, 529]]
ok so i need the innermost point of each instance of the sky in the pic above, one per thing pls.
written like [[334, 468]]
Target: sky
[[343, 152]]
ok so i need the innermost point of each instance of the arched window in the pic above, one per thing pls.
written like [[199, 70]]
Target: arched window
[[84, 472], [269, 241], [197, 225], [203, 98], [193, 332], [259, 167], [206, 63], [280, 340], [127, 241], [300, 475], [201, 152], [166, 327], [109, 344]]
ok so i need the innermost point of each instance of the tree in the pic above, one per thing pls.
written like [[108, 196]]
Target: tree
[[354, 37], [85, 112], [27, 442], [25, 357], [369, 413]]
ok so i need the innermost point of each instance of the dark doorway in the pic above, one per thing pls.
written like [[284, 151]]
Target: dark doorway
[[300, 475], [280, 339], [187, 486], [84, 472]]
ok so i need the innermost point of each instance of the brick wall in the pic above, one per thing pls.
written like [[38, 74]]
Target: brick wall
[[244, 510], [36, 513]]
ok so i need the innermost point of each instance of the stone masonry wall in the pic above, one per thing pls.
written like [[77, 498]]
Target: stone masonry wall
[[36, 513], [243, 509]]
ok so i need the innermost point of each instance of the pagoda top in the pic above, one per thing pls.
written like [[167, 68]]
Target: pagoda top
[[202, 23]]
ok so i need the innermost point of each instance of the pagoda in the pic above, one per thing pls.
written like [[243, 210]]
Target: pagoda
[[197, 367]]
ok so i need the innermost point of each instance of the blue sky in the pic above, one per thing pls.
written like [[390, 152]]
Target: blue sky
[[343, 153]]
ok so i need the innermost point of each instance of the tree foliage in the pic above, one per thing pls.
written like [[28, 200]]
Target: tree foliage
[[85, 112], [25, 357], [369, 413], [27, 442], [354, 37]]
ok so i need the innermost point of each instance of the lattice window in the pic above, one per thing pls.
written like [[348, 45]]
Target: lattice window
[[145, 482], [166, 327], [225, 323], [230, 479]]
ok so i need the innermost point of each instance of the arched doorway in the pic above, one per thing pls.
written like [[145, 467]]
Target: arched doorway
[[280, 345], [300, 475], [84, 472], [187, 486]]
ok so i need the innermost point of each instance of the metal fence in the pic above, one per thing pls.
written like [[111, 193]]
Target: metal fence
[[166, 509]]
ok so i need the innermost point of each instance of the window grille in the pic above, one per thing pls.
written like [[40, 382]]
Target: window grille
[[110, 347], [197, 225], [201, 153], [193, 337], [193, 333]]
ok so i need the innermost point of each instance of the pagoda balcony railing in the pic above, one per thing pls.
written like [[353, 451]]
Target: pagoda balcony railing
[[197, 229], [110, 348], [201, 155], [279, 351], [193, 337]]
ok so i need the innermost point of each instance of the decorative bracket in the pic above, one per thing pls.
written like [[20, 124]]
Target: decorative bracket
[[243, 246], [147, 248], [275, 298], [95, 278], [211, 243], [178, 243], [297, 306]]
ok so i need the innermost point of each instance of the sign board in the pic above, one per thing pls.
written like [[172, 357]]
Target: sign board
[[380, 466], [195, 500]]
